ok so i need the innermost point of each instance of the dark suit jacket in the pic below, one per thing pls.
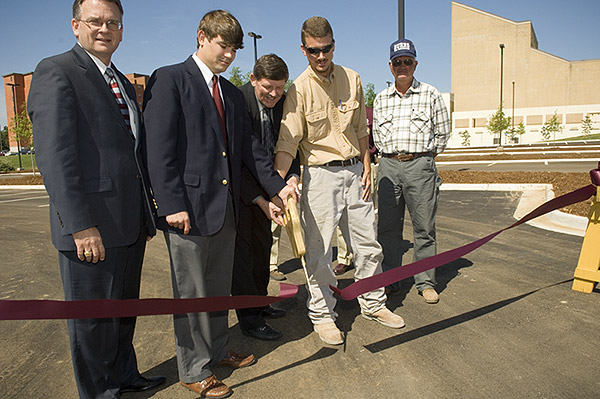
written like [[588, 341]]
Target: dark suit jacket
[[250, 186], [87, 157], [186, 153]]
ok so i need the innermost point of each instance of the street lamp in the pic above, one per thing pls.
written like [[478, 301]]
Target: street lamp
[[255, 36], [501, 84], [400, 19], [513, 106], [13, 85]]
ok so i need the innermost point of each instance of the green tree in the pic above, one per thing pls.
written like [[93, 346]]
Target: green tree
[[21, 126], [237, 77], [498, 123], [4, 145], [551, 127], [288, 84], [586, 125], [514, 133], [466, 136], [370, 94]]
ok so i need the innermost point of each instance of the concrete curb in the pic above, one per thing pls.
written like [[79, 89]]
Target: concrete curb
[[22, 187], [533, 195]]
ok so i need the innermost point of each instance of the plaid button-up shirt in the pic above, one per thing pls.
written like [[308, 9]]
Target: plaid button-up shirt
[[414, 122]]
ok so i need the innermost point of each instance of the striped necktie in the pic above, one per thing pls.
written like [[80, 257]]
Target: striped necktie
[[114, 86], [268, 134]]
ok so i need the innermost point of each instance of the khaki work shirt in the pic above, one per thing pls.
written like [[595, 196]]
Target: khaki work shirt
[[323, 118]]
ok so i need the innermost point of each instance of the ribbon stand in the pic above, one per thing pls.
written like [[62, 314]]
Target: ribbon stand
[[587, 273]]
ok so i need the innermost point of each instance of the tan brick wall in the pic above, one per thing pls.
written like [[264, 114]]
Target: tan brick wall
[[574, 118], [535, 120], [541, 79]]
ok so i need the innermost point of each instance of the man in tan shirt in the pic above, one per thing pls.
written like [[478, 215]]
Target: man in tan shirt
[[324, 118]]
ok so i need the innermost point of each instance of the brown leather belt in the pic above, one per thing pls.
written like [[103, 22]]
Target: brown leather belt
[[406, 156]]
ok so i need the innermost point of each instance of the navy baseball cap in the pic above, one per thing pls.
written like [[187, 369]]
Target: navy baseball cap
[[402, 47]]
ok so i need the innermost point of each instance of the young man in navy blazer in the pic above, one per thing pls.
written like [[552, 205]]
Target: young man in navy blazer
[[197, 136], [86, 138]]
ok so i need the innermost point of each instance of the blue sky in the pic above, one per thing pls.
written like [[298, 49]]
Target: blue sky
[[158, 32]]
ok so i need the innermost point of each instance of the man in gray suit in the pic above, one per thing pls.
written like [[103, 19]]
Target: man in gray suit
[[86, 123]]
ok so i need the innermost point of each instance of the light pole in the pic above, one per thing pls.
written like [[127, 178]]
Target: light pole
[[400, 19], [255, 36], [13, 85], [513, 107], [501, 84]]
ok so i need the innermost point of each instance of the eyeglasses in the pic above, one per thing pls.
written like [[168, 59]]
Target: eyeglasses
[[316, 50], [96, 24], [397, 62]]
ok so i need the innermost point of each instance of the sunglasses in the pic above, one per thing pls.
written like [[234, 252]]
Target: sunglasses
[[397, 62], [316, 50]]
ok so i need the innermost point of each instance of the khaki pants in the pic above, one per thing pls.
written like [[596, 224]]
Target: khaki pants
[[331, 196]]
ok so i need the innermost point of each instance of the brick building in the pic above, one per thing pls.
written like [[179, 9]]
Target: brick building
[[16, 91]]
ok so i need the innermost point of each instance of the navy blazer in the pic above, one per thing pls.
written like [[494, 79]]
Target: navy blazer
[[89, 161], [185, 149], [250, 187]]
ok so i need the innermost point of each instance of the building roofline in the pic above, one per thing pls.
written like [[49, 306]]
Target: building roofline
[[528, 21]]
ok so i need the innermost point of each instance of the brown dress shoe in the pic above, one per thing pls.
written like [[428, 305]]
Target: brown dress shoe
[[341, 269], [210, 387], [237, 360]]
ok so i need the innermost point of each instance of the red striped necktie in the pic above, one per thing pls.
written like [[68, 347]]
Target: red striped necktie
[[114, 86]]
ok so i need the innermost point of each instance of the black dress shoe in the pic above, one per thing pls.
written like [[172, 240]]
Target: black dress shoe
[[265, 333], [144, 384], [271, 313]]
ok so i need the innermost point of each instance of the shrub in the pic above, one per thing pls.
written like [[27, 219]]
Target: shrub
[[6, 166]]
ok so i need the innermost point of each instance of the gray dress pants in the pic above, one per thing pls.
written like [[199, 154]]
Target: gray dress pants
[[414, 185], [201, 266]]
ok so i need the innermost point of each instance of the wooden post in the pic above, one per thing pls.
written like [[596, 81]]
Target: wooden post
[[294, 229], [587, 273]]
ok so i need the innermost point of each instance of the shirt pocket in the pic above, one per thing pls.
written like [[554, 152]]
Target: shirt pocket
[[385, 125], [317, 125], [347, 112], [420, 123]]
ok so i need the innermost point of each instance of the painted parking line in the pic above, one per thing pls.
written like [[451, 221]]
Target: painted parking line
[[22, 199]]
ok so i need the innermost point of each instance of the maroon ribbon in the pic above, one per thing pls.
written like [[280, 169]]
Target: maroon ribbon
[[400, 273], [108, 308]]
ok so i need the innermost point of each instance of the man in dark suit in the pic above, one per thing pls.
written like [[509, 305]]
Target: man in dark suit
[[86, 123], [197, 136], [264, 96]]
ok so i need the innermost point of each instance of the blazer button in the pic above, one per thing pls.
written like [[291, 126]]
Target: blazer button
[[224, 154], [224, 182]]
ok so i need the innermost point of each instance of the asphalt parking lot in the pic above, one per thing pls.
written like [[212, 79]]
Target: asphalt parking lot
[[507, 325]]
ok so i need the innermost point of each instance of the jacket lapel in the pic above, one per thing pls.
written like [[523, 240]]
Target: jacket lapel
[[100, 86], [205, 96]]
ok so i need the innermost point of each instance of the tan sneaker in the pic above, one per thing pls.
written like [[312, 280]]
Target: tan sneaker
[[385, 317], [329, 333], [277, 275], [430, 296]]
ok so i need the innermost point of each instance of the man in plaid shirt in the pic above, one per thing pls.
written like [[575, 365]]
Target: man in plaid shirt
[[410, 127]]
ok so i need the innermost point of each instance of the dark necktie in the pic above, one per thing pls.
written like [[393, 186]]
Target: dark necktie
[[114, 86], [220, 109], [268, 134]]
